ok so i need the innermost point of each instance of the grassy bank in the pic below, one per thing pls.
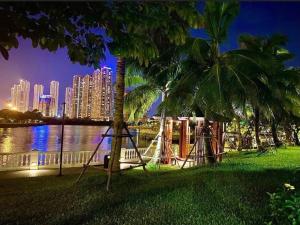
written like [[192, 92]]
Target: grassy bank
[[231, 193]]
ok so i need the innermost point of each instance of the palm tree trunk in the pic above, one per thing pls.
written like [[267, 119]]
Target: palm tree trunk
[[288, 133], [207, 141], [239, 144], [161, 134], [114, 163], [276, 140], [256, 128]]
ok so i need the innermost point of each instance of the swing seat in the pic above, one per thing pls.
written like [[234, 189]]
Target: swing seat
[[178, 159]]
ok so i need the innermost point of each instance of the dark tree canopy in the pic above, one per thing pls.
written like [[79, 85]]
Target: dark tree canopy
[[87, 29], [52, 26]]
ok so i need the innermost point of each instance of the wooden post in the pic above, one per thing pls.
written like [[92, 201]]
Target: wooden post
[[168, 141], [215, 137], [200, 159], [221, 139], [184, 138]]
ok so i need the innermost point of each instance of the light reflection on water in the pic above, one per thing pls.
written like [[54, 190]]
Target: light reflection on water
[[47, 138]]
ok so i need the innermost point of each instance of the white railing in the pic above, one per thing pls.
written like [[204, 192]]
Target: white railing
[[128, 154], [36, 159], [15, 160], [70, 158]]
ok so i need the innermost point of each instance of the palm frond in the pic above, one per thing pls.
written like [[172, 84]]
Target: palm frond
[[218, 15], [138, 101], [134, 76]]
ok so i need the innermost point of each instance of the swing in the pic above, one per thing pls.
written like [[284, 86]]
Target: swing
[[127, 134]]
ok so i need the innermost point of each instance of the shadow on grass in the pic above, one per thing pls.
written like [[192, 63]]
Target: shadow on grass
[[191, 196], [232, 193]]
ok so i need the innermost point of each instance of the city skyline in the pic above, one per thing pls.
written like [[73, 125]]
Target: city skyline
[[43, 72], [89, 97]]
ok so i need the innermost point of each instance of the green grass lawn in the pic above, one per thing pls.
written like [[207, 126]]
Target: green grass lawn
[[233, 192]]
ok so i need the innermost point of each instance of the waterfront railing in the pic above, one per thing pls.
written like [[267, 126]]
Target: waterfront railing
[[39, 159]]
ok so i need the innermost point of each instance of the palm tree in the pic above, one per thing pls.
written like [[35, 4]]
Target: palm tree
[[151, 83], [275, 96], [217, 82]]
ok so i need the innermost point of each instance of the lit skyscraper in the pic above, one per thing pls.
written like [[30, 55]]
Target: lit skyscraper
[[20, 96], [87, 84], [54, 92], [68, 101], [82, 96], [38, 91], [77, 97], [107, 90], [92, 95], [102, 94]]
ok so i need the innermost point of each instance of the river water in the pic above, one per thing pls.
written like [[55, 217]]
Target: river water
[[47, 138]]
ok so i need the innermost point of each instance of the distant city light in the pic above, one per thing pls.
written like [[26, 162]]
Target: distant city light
[[89, 97]]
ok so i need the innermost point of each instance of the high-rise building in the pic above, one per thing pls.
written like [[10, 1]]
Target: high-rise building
[[86, 104], [46, 105], [77, 97], [68, 101], [82, 96], [92, 95], [107, 93], [54, 92], [102, 94], [38, 91], [20, 96]]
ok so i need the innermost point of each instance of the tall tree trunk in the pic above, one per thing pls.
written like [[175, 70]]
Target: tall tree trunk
[[288, 133], [276, 140], [256, 128], [239, 137], [114, 163], [161, 134], [207, 141]]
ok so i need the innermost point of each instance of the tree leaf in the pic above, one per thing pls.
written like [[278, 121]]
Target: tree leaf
[[4, 52]]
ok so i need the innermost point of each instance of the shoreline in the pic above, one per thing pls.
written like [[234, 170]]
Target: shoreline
[[15, 125], [72, 123]]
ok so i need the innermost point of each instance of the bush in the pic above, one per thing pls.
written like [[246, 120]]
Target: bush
[[285, 206]]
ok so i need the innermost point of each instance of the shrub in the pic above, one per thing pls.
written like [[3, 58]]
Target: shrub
[[285, 206]]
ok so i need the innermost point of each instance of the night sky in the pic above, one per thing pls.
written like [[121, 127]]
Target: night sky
[[40, 66]]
